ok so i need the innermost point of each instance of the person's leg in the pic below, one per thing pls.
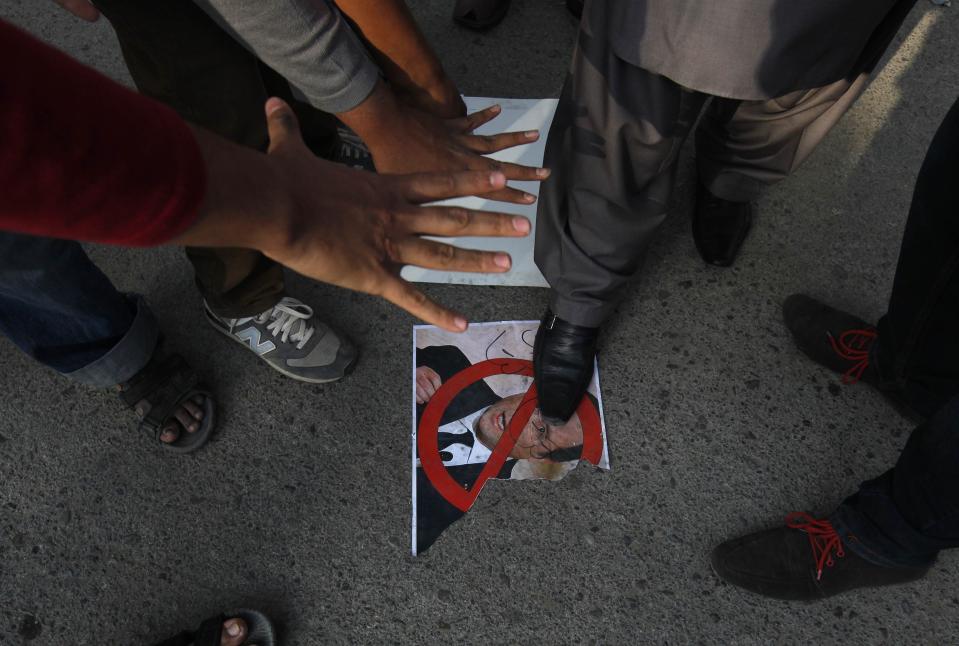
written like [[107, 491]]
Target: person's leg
[[744, 146], [178, 55], [906, 516], [889, 532], [918, 348], [612, 150], [62, 311], [912, 356]]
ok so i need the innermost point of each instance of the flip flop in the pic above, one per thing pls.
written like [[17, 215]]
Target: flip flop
[[480, 14], [156, 392], [259, 630]]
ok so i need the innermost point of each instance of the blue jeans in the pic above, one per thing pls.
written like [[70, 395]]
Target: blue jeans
[[911, 512], [65, 313], [906, 515]]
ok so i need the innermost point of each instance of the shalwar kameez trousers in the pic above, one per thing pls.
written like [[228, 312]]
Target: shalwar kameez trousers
[[770, 77], [767, 78]]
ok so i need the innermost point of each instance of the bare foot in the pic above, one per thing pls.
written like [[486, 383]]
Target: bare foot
[[188, 417], [234, 632]]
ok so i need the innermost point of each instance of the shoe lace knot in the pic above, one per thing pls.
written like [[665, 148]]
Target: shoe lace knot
[[853, 346], [823, 539], [291, 320]]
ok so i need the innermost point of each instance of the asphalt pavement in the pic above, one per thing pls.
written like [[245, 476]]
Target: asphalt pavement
[[300, 506]]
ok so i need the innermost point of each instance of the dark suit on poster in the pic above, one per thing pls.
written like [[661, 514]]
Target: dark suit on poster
[[770, 79], [433, 513]]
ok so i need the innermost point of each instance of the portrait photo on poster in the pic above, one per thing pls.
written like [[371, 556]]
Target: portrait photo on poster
[[475, 417]]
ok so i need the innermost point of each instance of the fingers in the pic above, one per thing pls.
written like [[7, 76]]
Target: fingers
[[425, 388], [82, 9], [451, 221], [486, 144], [431, 187], [511, 195], [404, 295], [517, 172], [430, 254], [471, 122], [433, 378], [281, 124]]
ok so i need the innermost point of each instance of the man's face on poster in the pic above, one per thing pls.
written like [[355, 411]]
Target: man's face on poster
[[537, 439]]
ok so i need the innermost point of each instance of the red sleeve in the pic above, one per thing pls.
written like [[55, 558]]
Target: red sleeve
[[82, 157]]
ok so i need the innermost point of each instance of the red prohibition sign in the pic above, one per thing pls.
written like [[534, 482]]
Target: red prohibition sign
[[427, 438]]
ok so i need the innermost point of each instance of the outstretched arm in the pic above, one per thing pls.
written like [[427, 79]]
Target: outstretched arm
[[404, 55], [88, 169], [413, 123], [343, 226]]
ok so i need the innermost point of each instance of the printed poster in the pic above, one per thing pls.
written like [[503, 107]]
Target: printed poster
[[475, 417]]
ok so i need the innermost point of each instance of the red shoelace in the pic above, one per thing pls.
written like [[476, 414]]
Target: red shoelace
[[853, 345], [822, 538]]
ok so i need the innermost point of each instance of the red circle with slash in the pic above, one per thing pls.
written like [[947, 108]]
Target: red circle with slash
[[427, 436]]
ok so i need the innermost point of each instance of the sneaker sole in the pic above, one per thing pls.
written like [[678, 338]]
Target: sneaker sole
[[286, 373]]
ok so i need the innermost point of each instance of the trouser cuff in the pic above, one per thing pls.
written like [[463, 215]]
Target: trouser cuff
[[579, 313], [731, 186], [128, 357], [860, 536]]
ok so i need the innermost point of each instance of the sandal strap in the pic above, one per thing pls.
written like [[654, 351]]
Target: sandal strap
[[184, 638], [156, 391], [208, 634]]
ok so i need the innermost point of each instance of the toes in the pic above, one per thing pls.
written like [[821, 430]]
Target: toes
[[186, 420], [194, 409], [170, 433], [234, 632]]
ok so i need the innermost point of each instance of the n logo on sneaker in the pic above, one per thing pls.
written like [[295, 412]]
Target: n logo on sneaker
[[252, 337]]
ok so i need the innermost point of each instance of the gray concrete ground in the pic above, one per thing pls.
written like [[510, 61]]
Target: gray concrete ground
[[717, 426]]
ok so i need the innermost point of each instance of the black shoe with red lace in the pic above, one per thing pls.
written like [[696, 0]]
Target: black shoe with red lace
[[841, 342], [805, 560]]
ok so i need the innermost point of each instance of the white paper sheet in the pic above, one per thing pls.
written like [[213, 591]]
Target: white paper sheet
[[517, 114]]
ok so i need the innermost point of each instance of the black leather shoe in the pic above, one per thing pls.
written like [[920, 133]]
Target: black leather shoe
[[802, 561], [719, 227], [480, 15], [563, 358]]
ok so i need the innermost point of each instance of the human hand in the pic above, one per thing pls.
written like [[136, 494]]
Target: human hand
[[82, 9], [407, 140], [423, 142], [357, 229], [427, 383]]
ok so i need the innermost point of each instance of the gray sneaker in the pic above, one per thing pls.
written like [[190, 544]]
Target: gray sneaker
[[351, 151], [288, 338]]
